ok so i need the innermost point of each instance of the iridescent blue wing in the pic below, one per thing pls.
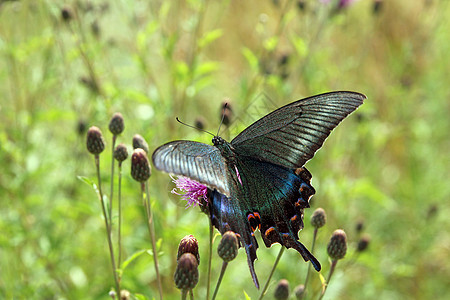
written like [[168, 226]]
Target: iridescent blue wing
[[267, 197], [290, 135], [195, 160]]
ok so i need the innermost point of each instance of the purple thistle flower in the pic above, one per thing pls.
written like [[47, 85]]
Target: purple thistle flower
[[190, 190]]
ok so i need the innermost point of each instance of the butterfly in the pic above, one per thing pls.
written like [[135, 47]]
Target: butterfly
[[258, 180]]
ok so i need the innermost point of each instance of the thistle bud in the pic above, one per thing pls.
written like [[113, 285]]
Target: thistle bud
[[282, 290], [139, 142], [188, 244], [337, 247], [200, 123], [116, 125], [228, 246], [299, 291], [120, 153], [140, 167], [363, 243], [81, 127], [66, 14], [318, 218], [186, 274], [94, 141], [359, 226]]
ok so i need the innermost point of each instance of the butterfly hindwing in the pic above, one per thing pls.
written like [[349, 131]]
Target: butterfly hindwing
[[290, 135], [198, 161]]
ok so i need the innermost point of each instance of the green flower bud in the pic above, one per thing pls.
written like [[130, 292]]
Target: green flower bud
[[116, 125], [337, 247], [139, 142], [140, 167], [94, 141], [318, 218], [188, 244], [121, 152], [282, 290], [186, 274], [228, 246]]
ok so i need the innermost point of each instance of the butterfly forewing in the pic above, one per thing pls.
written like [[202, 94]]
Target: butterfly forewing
[[197, 161], [291, 135]]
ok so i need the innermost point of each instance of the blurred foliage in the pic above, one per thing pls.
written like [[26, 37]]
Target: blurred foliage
[[67, 65]]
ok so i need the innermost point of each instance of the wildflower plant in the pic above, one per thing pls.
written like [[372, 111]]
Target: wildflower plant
[[141, 172]]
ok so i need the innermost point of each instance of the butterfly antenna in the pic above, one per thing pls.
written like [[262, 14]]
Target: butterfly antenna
[[223, 117], [178, 120]]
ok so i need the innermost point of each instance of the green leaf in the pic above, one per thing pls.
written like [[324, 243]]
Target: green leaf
[[251, 58], [271, 43], [87, 181], [131, 258], [247, 297], [140, 297], [209, 37], [300, 46]]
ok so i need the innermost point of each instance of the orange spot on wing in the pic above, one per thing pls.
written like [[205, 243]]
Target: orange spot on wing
[[269, 230]]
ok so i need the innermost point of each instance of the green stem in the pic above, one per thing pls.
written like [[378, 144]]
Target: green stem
[[151, 229], [183, 294], [309, 265], [112, 180], [263, 292], [107, 224], [119, 231], [333, 266], [222, 272], [208, 283], [191, 294]]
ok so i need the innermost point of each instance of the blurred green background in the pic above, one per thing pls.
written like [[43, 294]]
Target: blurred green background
[[68, 65]]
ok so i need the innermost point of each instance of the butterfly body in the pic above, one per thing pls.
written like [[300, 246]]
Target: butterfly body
[[258, 180]]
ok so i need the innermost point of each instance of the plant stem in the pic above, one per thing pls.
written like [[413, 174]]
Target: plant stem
[[119, 231], [222, 272], [183, 294], [112, 180], [191, 294], [309, 265], [151, 229], [107, 224], [333, 266], [208, 282], [271, 273]]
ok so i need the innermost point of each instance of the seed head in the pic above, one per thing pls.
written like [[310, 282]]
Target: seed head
[[318, 218], [188, 244], [282, 290], [94, 140], [337, 247], [363, 243], [140, 167], [121, 152], [186, 274], [228, 246], [299, 291], [116, 125], [125, 295], [139, 142]]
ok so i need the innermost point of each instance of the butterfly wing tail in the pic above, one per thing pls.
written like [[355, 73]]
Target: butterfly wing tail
[[251, 256], [307, 256]]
